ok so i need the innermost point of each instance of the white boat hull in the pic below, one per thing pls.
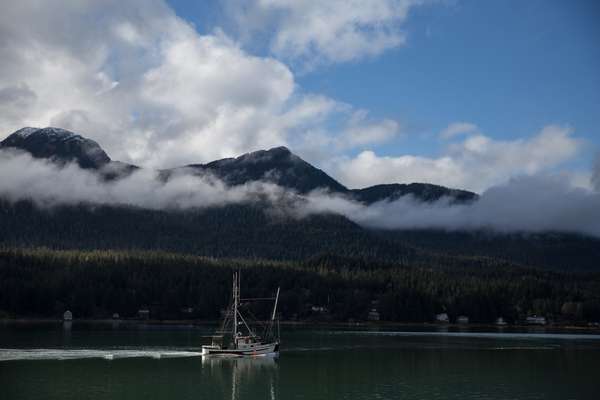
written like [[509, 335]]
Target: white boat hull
[[256, 350]]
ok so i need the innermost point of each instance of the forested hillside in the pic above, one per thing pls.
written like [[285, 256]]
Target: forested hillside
[[44, 283], [101, 256], [256, 231]]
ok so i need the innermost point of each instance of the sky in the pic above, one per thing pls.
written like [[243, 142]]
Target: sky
[[465, 94]]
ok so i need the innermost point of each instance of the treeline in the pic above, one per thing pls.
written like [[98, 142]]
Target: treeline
[[96, 284]]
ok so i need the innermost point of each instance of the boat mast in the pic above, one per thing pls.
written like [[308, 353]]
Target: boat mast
[[275, 306], [235, 306]]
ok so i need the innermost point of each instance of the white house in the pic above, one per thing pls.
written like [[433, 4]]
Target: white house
[[535, 320], [443, 317], [373, 315], [143, 313]]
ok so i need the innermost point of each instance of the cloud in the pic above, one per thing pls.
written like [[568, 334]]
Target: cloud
[[321, 140], [311, 33], [143, 83], [25, 178], [476, 163], [359, 131], [458, 128], [15, 100], [527, 204], [540, 203], [595, 179]]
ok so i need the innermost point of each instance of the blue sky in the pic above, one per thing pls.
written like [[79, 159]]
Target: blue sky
[[461, 93], [511, 67]]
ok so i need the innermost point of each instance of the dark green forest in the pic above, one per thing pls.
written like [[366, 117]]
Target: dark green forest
[[95, 284], [260, 231], [100, 260]]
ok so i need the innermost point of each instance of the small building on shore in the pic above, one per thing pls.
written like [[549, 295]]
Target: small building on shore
[[535, 320], [462, 319], [373, 315], [500, 321], [443, 317], [68, 316], [144, 313], [187, 311]]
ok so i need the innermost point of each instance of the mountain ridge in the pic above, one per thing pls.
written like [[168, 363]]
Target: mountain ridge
[[249, 231], [277, 165]]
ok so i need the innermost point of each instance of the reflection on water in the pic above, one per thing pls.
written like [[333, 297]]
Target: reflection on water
[[243, 373], [67, 326]]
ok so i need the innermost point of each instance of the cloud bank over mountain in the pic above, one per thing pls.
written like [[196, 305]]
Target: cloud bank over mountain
[[477, 162], [528, 204], [154, 91]]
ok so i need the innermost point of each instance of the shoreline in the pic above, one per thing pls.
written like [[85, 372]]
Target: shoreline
[[357, 324]]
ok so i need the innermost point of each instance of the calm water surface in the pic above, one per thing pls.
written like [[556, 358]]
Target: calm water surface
[[133, 361]]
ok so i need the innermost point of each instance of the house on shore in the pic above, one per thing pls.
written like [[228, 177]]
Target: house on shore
[[373, 315], [68, 316], [443, 317], [535, 320], [319, 309], [462, 319], [144, 313]]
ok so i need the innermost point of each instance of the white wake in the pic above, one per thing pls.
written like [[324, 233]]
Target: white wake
[[75, 354]]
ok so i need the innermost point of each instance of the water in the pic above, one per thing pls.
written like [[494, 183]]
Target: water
[[131, 361]]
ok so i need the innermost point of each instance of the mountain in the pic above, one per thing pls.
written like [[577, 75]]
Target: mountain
[[248, 231], [277, 165], [280, 166], [422, 191], [58, 145], [62, 146]]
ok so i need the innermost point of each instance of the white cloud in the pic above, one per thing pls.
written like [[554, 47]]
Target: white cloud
[[314, 32], [595, 179], [360, 131], [140, 81], [320, 142], [476, 163], [25, 178], [151, 90], [458, 128], [528, 204]]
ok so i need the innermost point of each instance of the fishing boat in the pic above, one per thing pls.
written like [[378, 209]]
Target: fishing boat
[[237, 337]]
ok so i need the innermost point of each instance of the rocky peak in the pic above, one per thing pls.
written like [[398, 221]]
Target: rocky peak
[[58, 145]]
